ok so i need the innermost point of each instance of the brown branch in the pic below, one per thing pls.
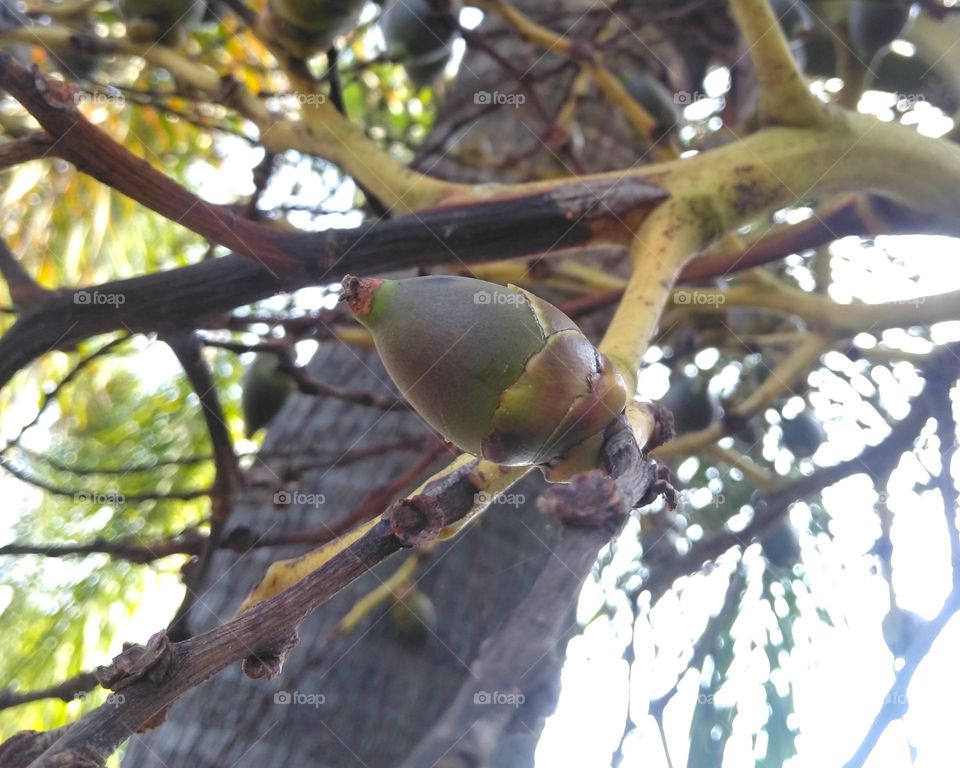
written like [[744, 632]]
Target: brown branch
[[189, 542], [509, 672], [189, 351], [896, 703], [878, 460], [375, 500], [23, 289], [32, 146], [82, 495], [68, 690], [155, 676], [533, 223]]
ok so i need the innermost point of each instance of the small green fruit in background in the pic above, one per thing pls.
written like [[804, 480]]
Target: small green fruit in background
[[418, 34], [413, 616], [802, 435], [794, 17], [497, 371], [693, 408], [899, 629], [654, 97], [168, 16], [780, 545], [874, 25], [265, 390]]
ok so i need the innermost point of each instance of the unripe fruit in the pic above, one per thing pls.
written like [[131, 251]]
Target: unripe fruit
[[413, 617], [780, 545], [419, 34], [899, 629], [874, 25], [265, 390], [802, 435], [497, 371], [654, 97], [169, 16], [692, 407]]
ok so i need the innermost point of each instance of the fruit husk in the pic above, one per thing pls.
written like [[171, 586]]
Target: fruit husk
[[265, 390], [802, 435], [494, 369], [873, 25], [690, 403]]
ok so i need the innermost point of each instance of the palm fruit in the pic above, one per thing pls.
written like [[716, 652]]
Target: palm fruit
[[691, 404], [780, 545], [168, 16], [265, 390], [654, 97], [306, 27], [874, 25], [497, 371], [418, 34], [413, 617], [802, 434], [794, 17], [899, 629]]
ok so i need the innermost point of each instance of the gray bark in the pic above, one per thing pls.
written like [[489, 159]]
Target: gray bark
[[381, 696]]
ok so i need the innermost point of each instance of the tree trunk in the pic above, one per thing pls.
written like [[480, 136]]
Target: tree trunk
[[379, 696]]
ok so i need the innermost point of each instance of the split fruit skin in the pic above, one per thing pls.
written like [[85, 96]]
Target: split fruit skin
[[497, 371]]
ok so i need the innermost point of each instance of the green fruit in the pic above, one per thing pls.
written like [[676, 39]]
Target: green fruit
[[654, 97], [74, 64], [913, 76], [413, 617], [781, 546], [820, 55], [168, 15], [418, 33], [794, 17], [874, 25], [802, 434], [693, 408], [497, 371], [265, 390], [899, 628]]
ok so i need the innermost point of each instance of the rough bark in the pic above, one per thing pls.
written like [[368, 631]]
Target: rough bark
[[381, 696]]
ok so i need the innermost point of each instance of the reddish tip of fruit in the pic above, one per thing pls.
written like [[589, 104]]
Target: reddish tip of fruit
[[358, 293]]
